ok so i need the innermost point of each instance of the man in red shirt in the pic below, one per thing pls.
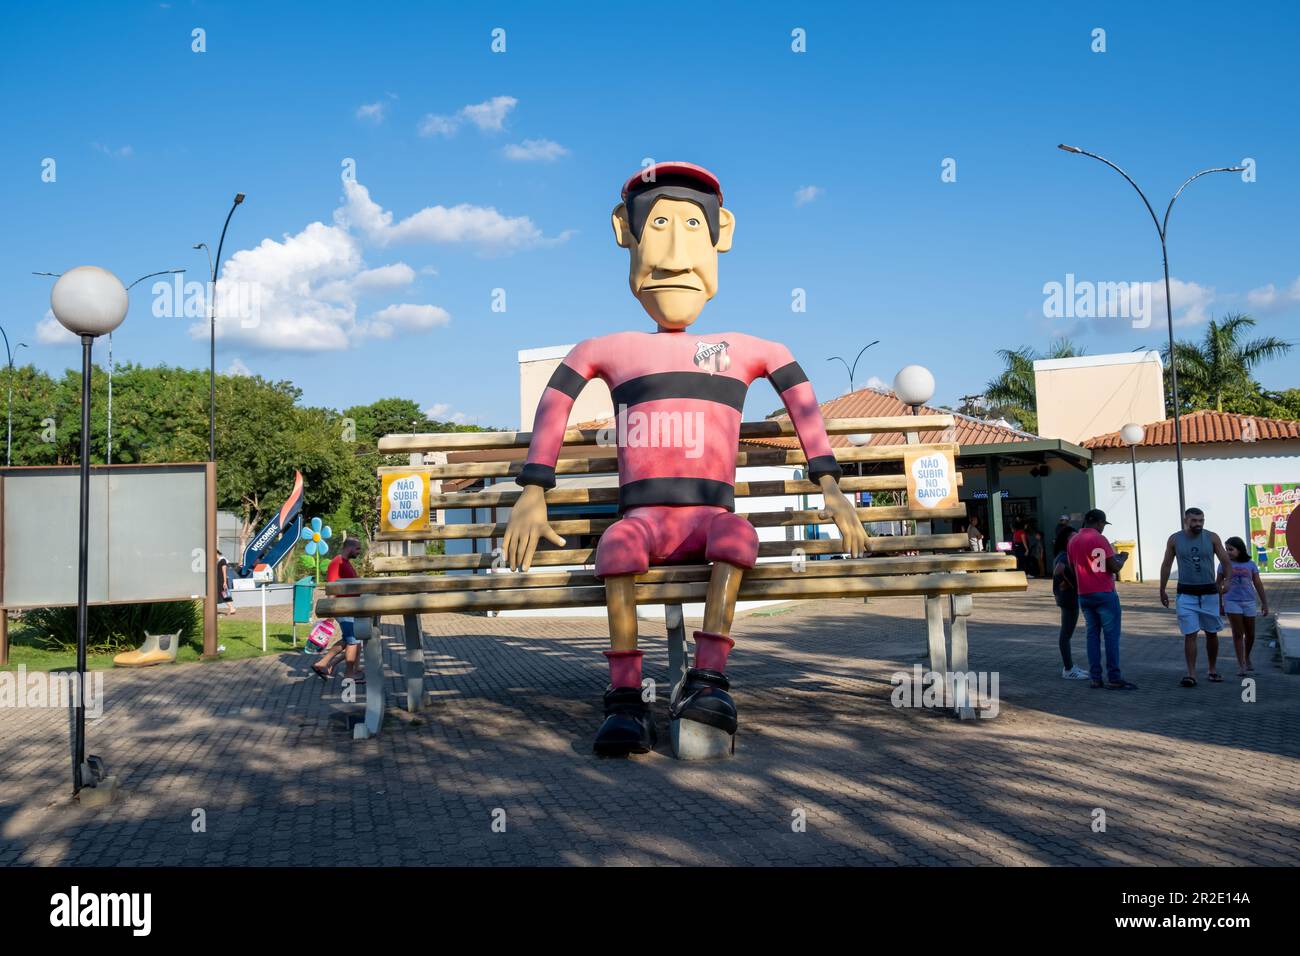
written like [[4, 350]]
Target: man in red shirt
[[348, 645], [1095, 565]]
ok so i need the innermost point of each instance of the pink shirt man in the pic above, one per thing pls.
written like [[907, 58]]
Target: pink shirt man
[[1088, 551]]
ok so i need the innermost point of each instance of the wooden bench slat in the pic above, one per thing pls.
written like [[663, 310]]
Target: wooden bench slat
[[769, 428], [570, 495], [759, 519], [757, 589], [605, 460], [766, 549], [893, 564]]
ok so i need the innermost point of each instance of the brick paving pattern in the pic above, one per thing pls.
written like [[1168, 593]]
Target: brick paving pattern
[[1183, 776]]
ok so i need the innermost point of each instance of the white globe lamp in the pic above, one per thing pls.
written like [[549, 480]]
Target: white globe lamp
[[914, 385], [89, 300]]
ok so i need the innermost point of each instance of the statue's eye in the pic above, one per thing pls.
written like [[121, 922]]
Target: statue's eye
[[660, 221], [693, 223]]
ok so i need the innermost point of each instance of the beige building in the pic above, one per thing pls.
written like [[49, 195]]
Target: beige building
[[535, 369], [1096, 394]]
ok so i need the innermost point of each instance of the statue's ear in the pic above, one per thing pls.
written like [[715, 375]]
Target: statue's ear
[[622, 228], [726, 229]]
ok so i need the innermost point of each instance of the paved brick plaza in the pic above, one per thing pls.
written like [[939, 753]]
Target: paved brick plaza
[[1184, 776]]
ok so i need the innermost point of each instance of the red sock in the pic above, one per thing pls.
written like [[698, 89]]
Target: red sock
[[624, 668], [711, 650]]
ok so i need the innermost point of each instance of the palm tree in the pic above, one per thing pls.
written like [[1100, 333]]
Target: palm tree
[[1011, 394], [1219, 368]]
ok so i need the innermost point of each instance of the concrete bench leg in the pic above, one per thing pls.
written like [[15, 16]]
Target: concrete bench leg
[[961, 608], [690, 740], [368, 631], [934, 631], [677, 664], [414, 664]]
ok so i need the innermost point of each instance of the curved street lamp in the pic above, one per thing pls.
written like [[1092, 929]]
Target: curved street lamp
[[213, 266], [1162, 229], [88, 301], [9, 437], [854, 367]]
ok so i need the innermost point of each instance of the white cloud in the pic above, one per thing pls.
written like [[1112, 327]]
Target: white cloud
[[50, 332], [1190, 299], [1270, 299], [806, 194], [442, 412], [372, 112], [489, 116], [432, 125], [237, 367], [300, 293], [535, 150], [404, 318], [478, 225], [385, 277]]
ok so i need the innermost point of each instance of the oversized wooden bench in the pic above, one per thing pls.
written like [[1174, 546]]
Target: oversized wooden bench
[[932, 566]]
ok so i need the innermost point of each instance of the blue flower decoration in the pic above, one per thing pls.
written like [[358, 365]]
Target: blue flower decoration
[[316, 534]]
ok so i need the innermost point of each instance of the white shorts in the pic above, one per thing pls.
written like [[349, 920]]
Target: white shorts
[[1246, 608], [1199, 612]]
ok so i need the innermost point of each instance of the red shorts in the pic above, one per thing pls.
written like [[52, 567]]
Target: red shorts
[[675, 534]]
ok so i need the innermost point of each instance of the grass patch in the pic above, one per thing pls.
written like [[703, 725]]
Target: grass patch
[[241, 639]]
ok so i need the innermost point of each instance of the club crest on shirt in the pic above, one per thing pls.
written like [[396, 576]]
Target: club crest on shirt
[[712, 357]]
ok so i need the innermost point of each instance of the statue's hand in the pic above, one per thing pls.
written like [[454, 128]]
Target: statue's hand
[[841, 510], [528, 525]]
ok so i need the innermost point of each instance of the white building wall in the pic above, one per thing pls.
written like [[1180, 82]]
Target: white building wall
[[1215, 477]]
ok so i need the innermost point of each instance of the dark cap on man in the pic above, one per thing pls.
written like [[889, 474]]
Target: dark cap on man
[[1095, 516], [674, 180]]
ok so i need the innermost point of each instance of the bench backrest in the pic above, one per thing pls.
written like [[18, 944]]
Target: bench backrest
[[582, 513]]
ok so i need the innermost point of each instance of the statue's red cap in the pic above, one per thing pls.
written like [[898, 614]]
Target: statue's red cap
[[647, 177]]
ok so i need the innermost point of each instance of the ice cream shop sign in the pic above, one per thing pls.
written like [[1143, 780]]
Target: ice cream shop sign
[[1270, 509]]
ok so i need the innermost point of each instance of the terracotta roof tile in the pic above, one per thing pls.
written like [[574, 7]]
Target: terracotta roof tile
[[880, 403], [1206, 428]]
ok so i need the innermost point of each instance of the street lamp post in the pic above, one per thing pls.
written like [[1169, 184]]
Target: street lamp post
[[914, 386], [854, 367], [213, 266], [9, 436], [1162, 229], [88, 301], [1132, 435]]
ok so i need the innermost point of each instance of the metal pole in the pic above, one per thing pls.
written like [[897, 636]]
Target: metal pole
[[1162, 229], [83, 557], [264, 587], [108, 457], [9, 440], [1137, 514], [212, 337], [1173, 377]]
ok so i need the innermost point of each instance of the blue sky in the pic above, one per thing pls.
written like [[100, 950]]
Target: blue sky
[[477, 171]]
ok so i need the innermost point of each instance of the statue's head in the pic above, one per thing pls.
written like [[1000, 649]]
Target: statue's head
[[672, 224]]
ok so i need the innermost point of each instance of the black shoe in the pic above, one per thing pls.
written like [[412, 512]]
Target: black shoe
[[704, 699], [629, 727]]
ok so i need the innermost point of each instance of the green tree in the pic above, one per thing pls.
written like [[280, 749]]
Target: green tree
[[369, 423], [1011, 395], [1216, 373]]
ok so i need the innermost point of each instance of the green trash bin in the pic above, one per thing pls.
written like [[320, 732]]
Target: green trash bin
[[303, 604]]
